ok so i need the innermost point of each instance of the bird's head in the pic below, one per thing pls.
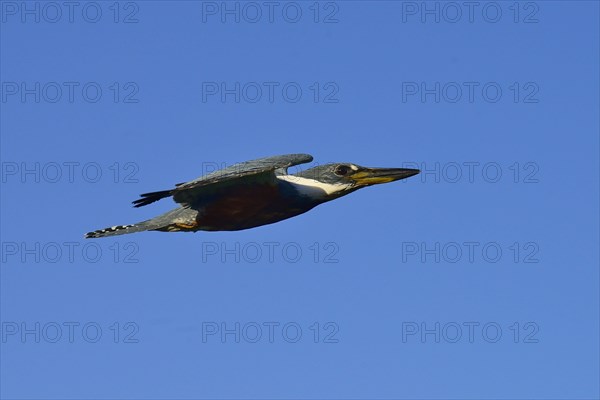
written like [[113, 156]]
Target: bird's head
[[330, 181]]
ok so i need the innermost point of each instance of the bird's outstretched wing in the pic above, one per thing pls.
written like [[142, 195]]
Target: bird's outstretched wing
[[187, 193]]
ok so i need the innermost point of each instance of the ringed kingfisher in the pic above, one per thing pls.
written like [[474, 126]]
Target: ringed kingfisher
[[255, 193]]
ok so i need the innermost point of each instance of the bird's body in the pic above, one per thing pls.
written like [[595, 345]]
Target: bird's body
[[249, 206], [254, 193]]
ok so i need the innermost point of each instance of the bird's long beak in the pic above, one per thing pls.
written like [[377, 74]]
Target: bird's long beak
[[374, 176]]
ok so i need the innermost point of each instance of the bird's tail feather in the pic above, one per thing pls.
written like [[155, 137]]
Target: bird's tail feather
[[181, 218], [121, 230]]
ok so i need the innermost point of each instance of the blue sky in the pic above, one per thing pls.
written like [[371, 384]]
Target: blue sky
[[476, 279]]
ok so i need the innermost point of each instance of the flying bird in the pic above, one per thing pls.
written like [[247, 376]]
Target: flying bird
[[254, 193]]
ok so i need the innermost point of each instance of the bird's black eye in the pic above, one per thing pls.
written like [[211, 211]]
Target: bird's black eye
[[342, 170]]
